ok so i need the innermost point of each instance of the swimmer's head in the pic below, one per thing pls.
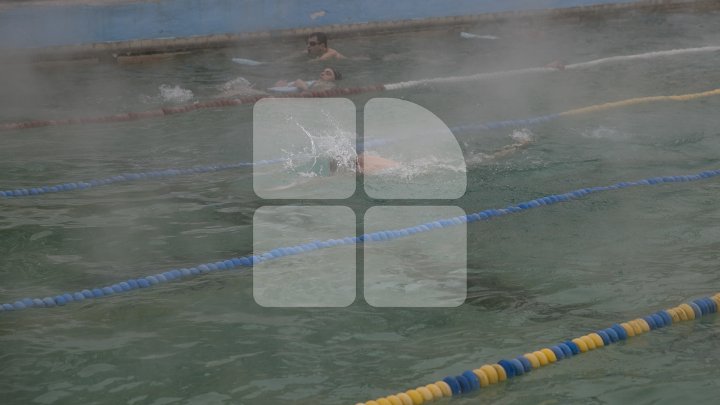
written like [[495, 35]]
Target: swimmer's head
[[330, 75], [316, 44], [333, 166], [325, 166], [320, 166]]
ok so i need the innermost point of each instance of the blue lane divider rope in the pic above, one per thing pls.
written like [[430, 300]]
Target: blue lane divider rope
[[165, 173], [73, 186], [155, 174], [248, 261], [150, 175]]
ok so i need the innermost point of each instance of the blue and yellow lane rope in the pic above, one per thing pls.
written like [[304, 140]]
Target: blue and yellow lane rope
[[166, 173], [488, 374], [251, 260]]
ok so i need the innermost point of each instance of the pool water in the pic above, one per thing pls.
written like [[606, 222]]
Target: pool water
[[535, 278]]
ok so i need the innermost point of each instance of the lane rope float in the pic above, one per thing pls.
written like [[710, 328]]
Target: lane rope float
[[380, 236], [165, 173], [488, 374], [338, 92]]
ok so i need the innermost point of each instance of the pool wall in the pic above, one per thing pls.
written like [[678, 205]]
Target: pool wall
[[82, 27]]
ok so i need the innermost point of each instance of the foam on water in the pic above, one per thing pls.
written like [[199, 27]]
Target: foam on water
[[523, 135], [338, 145], [175, 94], [238, 87]]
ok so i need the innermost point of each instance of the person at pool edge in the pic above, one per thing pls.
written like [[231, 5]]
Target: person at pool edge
[[317, 48]]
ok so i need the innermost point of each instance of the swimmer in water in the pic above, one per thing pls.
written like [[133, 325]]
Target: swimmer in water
[[521, 143], [370, 164], [317, 48], [326, 81], [364, 163]]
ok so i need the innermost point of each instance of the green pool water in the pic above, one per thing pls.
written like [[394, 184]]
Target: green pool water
[[534, 278]]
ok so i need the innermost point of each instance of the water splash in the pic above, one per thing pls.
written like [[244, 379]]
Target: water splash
[[313, 159], [238, 87], [428, 165], [522, 135], [175, 94]]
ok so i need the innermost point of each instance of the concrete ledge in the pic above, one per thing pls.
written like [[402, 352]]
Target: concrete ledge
[[122, 50]]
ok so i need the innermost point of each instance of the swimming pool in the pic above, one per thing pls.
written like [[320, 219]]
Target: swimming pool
[[534, 278]]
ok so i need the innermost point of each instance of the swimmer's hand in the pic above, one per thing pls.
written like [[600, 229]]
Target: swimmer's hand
[[281, 83]]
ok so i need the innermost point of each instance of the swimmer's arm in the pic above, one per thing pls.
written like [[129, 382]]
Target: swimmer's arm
[[330, 54], [300, 84], [337, 55], [370, 164], [509, 149]]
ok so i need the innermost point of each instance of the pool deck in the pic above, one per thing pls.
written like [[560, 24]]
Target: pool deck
[[67, 29]]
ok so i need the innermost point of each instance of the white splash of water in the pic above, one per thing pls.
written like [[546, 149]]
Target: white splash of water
[[523, 135], [237, 83], [238, 87], [335, 144], [175, 94]]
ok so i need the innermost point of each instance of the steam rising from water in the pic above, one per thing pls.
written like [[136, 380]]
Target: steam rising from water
[[128, 231]]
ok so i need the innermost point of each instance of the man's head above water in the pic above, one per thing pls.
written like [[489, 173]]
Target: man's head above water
[[317, 47]]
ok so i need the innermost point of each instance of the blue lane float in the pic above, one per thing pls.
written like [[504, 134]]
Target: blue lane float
[[127, 177], [699, 307], [488, 374], [173, 172]]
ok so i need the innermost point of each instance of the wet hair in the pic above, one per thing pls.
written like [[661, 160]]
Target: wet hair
[[336, 73], [321, 37], [335, 165]]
